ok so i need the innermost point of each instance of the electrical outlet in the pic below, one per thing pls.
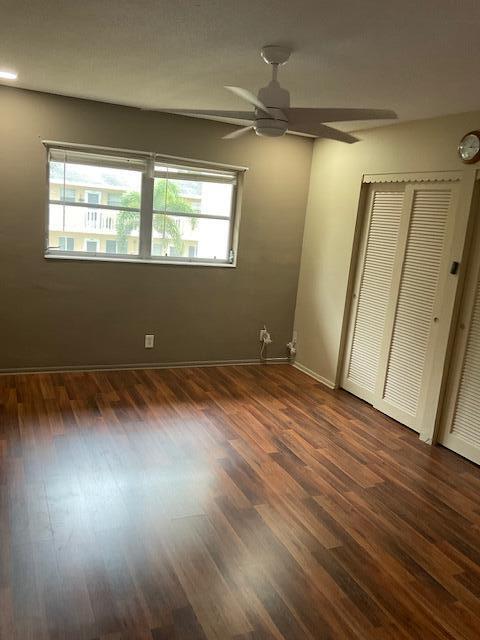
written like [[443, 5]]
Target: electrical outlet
[[265, 336], [292, 345], [149, 340]]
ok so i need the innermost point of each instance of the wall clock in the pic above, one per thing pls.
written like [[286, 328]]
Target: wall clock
[[469, 147]]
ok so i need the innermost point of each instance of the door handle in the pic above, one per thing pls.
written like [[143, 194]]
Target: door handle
[[454, 268]]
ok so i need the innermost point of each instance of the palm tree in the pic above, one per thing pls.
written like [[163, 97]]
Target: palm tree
[[166, 197]]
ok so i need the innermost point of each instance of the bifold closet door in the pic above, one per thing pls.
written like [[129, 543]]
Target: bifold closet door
[[372, 288], [398, 297], [460, 425], [418, 297]]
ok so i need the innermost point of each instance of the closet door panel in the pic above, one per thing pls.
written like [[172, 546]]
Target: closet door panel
[[372, 291], [460, 429], [409, 338]]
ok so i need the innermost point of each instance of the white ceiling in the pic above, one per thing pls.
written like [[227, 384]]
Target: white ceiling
[[420, 58]]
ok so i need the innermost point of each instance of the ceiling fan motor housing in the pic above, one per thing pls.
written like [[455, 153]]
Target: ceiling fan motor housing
[[269, 127], [276, 99]]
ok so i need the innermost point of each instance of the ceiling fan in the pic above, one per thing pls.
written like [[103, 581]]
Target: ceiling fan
[[272, 115]]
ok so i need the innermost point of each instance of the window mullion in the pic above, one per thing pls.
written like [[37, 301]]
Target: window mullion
[[146, 211]]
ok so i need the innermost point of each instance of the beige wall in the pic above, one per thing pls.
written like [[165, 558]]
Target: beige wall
[[335, 184], [67, 313]]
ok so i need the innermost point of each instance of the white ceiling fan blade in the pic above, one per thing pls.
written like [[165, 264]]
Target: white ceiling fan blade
[[237, 115], [251, 98], [322, 131], [237, 133], [302, 115]]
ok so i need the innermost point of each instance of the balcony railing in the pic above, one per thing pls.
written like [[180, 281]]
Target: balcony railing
[[96, 220]]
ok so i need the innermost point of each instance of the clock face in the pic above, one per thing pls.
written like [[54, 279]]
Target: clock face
[[469, 147]]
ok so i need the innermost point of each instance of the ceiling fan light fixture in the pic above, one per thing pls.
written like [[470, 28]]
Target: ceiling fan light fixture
[[270, 128]]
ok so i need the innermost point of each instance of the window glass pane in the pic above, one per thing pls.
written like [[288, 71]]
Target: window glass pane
[[191, 196], [93, 184], [102, 225], [190, 237]]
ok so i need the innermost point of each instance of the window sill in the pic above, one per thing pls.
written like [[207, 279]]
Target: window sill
[[175, 263]]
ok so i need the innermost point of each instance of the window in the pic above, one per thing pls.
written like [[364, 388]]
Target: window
[[93, 197], [91, 245], [111, 246], [140, 207], [66, 244], [91, 175], [193, 206]]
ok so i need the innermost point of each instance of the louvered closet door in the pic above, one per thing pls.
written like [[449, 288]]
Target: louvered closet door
[[372, 289], [414, 313], [460, 428]]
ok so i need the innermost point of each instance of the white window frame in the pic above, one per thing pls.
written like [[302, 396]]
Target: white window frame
[[191, 169]]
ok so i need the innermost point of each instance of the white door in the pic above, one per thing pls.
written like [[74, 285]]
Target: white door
[[372, 289], [460, 424], [415, 318], [396, 316]]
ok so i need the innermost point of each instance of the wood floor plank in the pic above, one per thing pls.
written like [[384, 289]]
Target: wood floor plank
[[227, 503]]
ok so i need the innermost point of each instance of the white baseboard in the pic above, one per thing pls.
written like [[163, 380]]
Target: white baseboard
[[314, 375], [143, 365]]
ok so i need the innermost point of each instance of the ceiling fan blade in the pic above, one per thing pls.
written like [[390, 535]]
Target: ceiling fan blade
[[306, 114], [237, 115], [237, 133], [251, 98], [322, 131]]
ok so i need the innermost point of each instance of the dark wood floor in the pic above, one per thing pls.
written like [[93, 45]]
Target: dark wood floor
[[245, 503]]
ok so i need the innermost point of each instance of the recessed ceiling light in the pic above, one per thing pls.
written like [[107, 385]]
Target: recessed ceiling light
[[8, 75]]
